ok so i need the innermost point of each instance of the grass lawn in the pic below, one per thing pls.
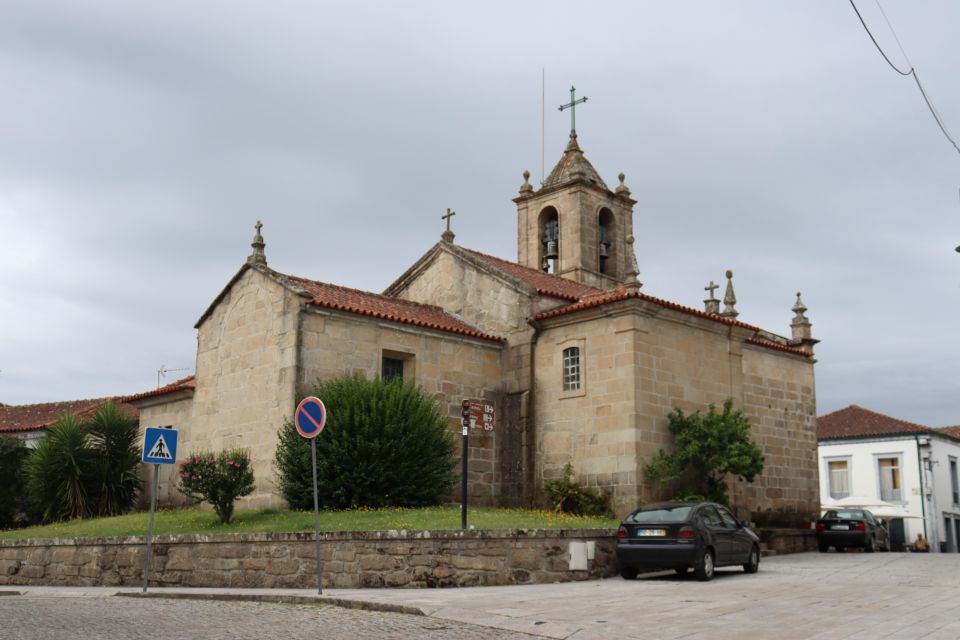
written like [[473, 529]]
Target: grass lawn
[[193, 521]]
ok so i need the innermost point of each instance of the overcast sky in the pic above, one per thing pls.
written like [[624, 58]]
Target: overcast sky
[[140, 141]]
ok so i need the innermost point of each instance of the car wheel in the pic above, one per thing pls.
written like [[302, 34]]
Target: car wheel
[[704, 567], [823, 548], [682, 571], [628, 573], [753, 563], [871, 545]]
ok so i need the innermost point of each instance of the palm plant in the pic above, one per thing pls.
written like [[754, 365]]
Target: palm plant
[[116, 440], [58, 471]]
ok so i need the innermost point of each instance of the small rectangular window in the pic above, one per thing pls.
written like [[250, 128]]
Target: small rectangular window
[[889, 469], [391, 368], [954, 482], [571, 369], [839, 478]]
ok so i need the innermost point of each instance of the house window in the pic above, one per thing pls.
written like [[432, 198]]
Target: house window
[[391, 368], [839, 472], [571, 369], [953, 480], [889, 469]]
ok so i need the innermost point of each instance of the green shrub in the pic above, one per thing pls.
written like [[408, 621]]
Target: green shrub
[[13, 505], [386, 443], [59, 471], [218, 479], [81, 469], [567, 496]]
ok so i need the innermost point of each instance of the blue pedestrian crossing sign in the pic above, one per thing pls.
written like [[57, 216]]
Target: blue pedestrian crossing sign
[[160, 445]]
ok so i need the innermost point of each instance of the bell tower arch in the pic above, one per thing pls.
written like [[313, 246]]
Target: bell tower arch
[[575, 226]]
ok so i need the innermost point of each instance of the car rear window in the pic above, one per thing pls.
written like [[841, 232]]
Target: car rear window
[[846, 514], [660, 514]]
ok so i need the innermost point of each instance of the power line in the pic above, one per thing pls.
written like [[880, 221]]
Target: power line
[[911, 72]]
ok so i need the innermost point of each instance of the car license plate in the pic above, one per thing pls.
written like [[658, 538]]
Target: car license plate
[[648, 533], [840, 527]]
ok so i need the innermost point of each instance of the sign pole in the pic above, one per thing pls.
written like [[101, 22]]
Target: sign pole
[[463, 479], [153, 508], [316, 516]]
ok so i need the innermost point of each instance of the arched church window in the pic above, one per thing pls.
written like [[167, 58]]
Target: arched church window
[[605, 241], [571, 369], [549, 224]]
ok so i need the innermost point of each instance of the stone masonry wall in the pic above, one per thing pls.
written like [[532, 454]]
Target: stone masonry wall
[[779, 397], [246, 364], [449, 367], [178, 415], [350, 560]]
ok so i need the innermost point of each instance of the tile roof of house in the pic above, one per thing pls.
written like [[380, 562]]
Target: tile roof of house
[[953, 432], [544, 283], [33, 417], [388, 308], [857, 422], [183, 384]]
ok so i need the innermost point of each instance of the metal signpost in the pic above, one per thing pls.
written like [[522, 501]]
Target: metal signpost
[[475, 414], [159, 447], [309, 419]]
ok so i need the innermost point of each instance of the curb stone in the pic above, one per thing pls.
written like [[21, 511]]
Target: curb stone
[[283, 599]]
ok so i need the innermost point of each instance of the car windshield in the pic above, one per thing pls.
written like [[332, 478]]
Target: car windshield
[[660, 514], [846, 514]]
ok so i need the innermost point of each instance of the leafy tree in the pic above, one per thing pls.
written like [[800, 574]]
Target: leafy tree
[[386, 443], [12, 489], [116, 440], [59, 473], [218, 479], [707, 448]]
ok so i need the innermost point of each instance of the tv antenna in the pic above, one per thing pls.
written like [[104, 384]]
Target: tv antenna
[[163, 371]]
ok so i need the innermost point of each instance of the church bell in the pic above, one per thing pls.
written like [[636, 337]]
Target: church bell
[[550, 241]]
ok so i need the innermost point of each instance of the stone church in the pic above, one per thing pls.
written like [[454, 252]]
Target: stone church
[[581, 365]]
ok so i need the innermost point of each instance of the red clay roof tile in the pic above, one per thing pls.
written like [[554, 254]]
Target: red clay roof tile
[[545, 283], [857, 422], [31, 417], [388, 308], [182, 384]]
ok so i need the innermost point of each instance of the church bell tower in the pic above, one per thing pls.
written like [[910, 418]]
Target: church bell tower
[[574, 226]]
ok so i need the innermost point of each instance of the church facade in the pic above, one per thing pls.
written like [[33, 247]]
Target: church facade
[[581, 365]]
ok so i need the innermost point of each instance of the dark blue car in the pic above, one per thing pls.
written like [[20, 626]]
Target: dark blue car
[[682, 536]]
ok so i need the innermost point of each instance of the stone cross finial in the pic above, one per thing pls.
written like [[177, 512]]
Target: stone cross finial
[[258, 256], [729, 298], [633, 270], [448, 235], [711, 304]]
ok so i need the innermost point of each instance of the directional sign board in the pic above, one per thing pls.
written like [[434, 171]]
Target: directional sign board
[[310, 417], [478, 414], [160, 445]]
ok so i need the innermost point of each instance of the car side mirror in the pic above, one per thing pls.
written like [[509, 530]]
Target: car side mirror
[[743, 524]]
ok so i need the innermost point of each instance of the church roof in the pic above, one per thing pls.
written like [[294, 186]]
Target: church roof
[[388, 308], [183, 384], [545, 283], [857, 422], [574, 166], [953, 432], [34, 417]]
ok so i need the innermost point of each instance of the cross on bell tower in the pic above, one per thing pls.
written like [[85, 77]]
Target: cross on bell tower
[[572, 105]]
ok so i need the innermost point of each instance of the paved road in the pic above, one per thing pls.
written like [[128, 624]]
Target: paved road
[[108, 617], [848, 596]]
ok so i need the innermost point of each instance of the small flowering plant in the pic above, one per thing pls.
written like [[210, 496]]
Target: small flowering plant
[[217, 478]]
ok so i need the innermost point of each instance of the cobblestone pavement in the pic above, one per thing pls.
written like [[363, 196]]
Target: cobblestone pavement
[[115, 618]]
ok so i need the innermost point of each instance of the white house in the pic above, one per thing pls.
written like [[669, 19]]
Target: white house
[[869, 456]]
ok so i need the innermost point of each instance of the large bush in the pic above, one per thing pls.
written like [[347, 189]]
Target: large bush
[[384, 444], [86, 468], [13, 505], [218, 479]]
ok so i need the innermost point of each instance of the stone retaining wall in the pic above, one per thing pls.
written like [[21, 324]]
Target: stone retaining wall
[[355, 559]]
